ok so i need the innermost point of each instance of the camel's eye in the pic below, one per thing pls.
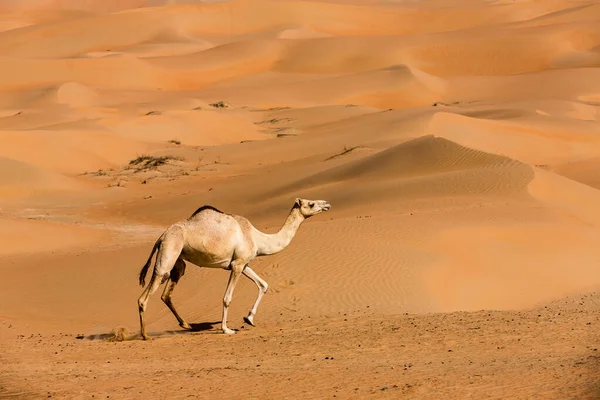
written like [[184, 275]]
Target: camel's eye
[[311, 205]]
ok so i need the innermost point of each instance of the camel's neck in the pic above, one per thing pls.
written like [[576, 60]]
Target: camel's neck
[[274, 243]]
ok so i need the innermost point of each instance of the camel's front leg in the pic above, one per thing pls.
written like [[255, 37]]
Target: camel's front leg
[[236, 271], [262, 289]]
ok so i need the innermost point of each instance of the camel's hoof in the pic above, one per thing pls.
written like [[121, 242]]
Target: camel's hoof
[[146, 337], [185, 325], [228, 331], [248, 321]]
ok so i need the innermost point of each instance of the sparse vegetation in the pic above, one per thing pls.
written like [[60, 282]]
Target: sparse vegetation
[[117, 183], [144, 162], [199, 163], [345, 151], [219, 104], [153, 113], [175, 141], [100, 172], [275, 109], [454, 103], [273, 121]]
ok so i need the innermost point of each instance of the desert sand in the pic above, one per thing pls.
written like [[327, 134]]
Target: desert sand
[[458, 142]]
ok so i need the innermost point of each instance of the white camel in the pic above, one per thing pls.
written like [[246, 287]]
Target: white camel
[[210, 238]]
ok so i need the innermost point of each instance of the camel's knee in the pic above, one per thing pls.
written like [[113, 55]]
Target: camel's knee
[[264, 287], [226, 301], [141, 305]]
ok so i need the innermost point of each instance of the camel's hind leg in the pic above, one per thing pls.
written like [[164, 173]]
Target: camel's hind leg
[[262, 289], [176, 274], [169, 252], [155, 282]]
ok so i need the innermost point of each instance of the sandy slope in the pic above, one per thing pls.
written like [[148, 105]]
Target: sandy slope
[[458, 142]]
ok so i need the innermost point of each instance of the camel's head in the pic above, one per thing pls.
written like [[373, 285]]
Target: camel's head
[[308, 208]]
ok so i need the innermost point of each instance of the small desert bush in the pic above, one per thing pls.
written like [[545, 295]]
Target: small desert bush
[[218, 104], [147, 162], [100, 172]]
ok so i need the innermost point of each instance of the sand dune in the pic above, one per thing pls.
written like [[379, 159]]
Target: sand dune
[[538, 140], [564, 84], [457, 141], [573, 198], [570, 14], [54, 150], [47, 236], [21, 180], [193, 128], [584, 171], [75, 95], [88, 5], [394, 86], [421, 168]]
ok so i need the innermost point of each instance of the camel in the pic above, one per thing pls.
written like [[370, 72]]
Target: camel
[[210, 238]]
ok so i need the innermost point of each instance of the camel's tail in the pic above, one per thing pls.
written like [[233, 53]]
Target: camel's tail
[[144, 270]]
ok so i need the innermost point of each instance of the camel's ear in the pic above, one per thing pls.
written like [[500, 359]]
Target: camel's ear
[[298, 202]]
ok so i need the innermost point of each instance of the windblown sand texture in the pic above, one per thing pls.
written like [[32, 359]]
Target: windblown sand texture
[[458, 142]]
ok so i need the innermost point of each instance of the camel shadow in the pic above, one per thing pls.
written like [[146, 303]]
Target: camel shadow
[[121, 334], [195, 327], [203, 326]]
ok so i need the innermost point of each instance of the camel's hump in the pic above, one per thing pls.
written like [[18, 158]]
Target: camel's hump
[[203, 208]]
